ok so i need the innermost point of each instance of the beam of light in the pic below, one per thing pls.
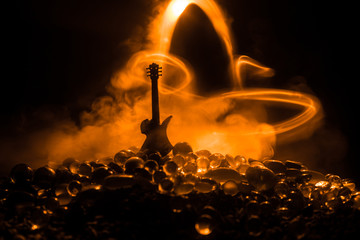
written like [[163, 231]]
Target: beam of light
[[178, 7]]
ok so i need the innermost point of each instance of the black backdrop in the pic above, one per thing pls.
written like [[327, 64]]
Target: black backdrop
[[60, 55]]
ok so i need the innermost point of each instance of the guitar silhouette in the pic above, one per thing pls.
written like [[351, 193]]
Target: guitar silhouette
[[156, 137]]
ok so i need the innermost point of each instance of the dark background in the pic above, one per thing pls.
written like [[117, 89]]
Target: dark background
[[60, 55]]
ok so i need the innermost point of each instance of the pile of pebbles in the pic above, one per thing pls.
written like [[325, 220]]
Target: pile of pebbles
[[184, 195]]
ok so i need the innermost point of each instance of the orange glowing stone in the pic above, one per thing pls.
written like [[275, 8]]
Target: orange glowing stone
[[204, 225], [203, 164], [183, 188], [261, 177], [205, 185], [230, 188], [115, 182], [222, 175]]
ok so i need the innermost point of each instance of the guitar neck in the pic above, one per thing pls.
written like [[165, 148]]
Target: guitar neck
[[155, 101]]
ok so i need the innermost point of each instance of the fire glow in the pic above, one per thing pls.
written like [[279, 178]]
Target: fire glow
[[214, 122]]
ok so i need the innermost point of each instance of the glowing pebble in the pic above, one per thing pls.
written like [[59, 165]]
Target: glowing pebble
[[183, 188], [315, 176], [21, 173], [235, 162], [230, 188], [114, 182], [179, 160], [261, 177], [132, 163], [205, 185], [323, 185], [204, 152], [356, 202], [64, 199], [73, 188], [204, 225], [275, 165], [44, 177], [203, 164], [216, 159], [170, 167], [222, 175], [166, 185], [182, 148]]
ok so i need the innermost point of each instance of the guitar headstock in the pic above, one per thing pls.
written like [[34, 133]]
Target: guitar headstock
[[154, 71]]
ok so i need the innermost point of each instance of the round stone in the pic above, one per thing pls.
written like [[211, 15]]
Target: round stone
[[166, 185], [123, 155], [100, 174], [190, 167], [64, 199], [74, 188], [275, 165], [293, 164], [114, 182], [204, 225], [44, 177], [261, 177], [179, 160], [105, 160], [230, 188], [63, 175], [68, 161], [170, 168], [116, 168], [182, 148], [85, 169], [21, 173], [151, 166], [203, 164], [158, 176], [183, 188], [205, 185], [132, 163], [204, 153], [222, 175], [315, 176], [235, 162], [216, 160]]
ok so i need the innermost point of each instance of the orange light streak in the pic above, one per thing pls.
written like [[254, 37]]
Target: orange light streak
[[310, 103]]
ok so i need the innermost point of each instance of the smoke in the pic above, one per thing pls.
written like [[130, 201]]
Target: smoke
[[318, 144], [219, 123]]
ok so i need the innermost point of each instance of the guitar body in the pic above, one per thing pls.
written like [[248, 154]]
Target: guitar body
[[156, 137]]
